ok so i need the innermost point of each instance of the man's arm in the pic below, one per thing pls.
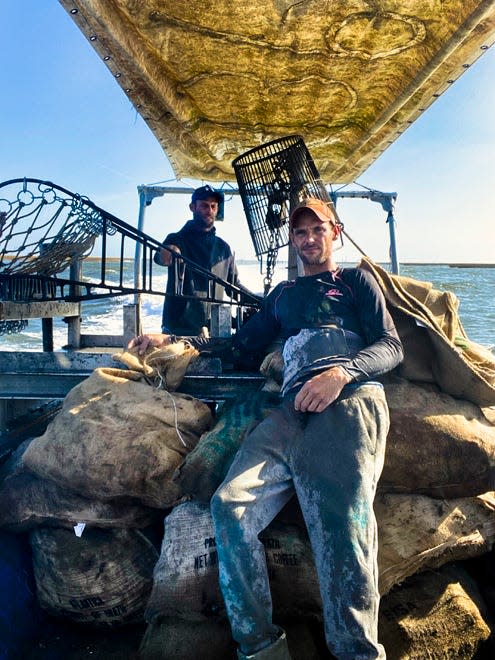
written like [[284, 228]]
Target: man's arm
[[163, 257], [246, 348], [173, 242], [155, 340], [384, 349]]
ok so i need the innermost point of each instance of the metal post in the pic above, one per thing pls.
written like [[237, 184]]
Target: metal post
[[139, 248], [387, 202], [394, 261]]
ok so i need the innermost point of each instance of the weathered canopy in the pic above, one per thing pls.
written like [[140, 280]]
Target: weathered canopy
[[213, 79]]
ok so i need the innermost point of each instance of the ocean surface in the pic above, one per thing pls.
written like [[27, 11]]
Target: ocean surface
[[474, 287]]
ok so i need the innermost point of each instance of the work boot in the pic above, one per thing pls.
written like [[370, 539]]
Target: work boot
[[276, 651]]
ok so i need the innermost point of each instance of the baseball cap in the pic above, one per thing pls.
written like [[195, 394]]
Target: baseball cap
[[321, 209], [207, 191]]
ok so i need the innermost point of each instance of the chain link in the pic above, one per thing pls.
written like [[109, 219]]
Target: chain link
[[271, 260]]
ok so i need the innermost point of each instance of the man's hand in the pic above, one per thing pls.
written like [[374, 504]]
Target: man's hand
[[165, 257], [321, 390], [143, 342]]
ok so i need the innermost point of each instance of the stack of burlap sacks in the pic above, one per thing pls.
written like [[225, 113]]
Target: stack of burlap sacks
[[122, 455], [91, 491]]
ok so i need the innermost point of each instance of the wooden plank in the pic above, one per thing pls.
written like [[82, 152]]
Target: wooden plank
[[37, 310], [100, 341], [35, 362], [57, 385], [43, 375], [38, 386]]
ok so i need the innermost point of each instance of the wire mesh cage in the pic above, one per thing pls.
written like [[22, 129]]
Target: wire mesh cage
[[273, 178]]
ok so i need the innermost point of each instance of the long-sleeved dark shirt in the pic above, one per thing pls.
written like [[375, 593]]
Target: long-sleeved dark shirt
[[342, 313], [186, 316]]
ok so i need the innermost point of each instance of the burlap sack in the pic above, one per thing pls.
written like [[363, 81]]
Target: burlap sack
[[205, 467], [436, 445], [27, 501], [165, 367], [185, 578], [435, 344], [434, 615], [272, 368], [119, 437], [417, 532], [102, 578], [185, 581]]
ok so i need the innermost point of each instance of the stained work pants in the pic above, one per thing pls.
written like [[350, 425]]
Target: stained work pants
[[332, 460]]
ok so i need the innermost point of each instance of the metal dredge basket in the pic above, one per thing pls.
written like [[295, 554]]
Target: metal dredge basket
[[272, 179]]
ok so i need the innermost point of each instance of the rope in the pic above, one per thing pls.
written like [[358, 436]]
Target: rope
[[353, 242], [161, 385]]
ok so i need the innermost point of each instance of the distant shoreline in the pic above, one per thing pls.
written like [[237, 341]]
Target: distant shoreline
[[467, 264], [451, 265]]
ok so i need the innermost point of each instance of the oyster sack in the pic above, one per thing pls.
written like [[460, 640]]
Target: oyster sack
[[117, 436], [433, 615], [204, 468], [416, 533], [437, 445], [164, 366], [27, 501], [180, 638], [436, 347], [185, 581], [103, 577]]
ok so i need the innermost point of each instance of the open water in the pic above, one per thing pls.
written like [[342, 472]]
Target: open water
[[475, 288]]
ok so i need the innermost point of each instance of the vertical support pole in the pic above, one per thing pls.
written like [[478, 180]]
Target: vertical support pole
[[46, 323], [47, 334], [394, 261], [74, 322], [139, 248], [137, 263], [221, 320]]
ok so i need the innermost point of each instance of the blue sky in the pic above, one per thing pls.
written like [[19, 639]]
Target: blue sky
[[64, 118]]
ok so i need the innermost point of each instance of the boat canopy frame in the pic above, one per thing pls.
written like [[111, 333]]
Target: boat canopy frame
[[387, 200]]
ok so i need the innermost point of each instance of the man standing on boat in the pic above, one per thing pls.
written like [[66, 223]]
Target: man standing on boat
[[325, 443], [197, 241]]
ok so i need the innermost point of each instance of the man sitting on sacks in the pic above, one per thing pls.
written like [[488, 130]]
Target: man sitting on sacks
[[325, 442]]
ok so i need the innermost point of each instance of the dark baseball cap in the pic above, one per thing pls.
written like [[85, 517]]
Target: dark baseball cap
[[207, 191]]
